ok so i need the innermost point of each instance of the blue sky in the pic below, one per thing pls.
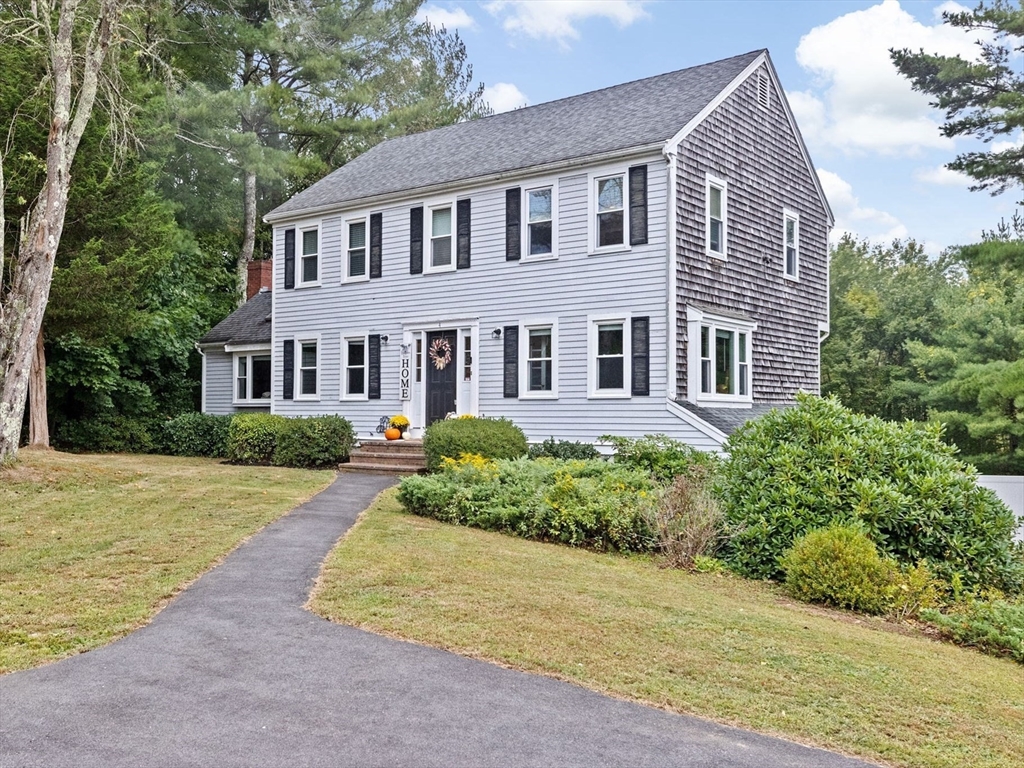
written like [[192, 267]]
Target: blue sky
[[876, 143]]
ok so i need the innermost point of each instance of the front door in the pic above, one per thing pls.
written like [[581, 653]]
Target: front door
[[442, 367]]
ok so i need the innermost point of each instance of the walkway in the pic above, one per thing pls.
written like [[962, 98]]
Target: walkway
[[235, 673]]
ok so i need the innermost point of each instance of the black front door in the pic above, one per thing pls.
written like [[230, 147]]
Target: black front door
[[442, 367]]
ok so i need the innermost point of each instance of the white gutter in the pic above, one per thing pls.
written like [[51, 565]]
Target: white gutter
[[462, 184]]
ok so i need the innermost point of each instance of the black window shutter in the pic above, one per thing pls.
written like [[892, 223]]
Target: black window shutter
[[288, 369], [513, 200], [416, 241], [638, 205], [376, 235], [289, 258], [641, 351], [511, 334], [462, 230], [373, 367]]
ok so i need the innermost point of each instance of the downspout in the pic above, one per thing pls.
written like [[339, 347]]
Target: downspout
[[202, 377], [672, 310]]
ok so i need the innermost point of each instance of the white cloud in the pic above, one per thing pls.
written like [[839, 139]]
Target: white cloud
[[504, 97], [942, 176], [1002, 146], [877, 226], [454, 18], [557, 19], [861, 103]]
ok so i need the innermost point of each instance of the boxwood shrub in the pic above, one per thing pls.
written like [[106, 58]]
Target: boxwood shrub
[[196, 434], [802, 468], [315, 441], [490, 438], [252, 437], [108, 433]]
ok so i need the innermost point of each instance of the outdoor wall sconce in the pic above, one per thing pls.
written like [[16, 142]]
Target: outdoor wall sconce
[[384, 339], [496, 333]]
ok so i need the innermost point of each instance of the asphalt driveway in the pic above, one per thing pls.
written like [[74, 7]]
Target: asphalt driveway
[[235, 673]]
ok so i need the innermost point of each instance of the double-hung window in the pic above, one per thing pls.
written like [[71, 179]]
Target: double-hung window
[[790, 245], [354, 368], [609, 211], [309, 260], [610, 356], [441, 238], [355, 257], [716, 217], [538, 361], [252, 378], [309, 369], [539, 222], [720, 357]]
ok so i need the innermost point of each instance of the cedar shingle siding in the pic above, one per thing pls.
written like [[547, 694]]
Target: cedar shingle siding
[[757, 154]]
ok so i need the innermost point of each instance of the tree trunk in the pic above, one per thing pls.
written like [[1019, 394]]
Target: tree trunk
[[23, 306], [249, 234], [38, 424]]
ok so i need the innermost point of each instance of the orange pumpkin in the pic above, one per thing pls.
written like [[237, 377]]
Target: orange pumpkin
[[392, 433]]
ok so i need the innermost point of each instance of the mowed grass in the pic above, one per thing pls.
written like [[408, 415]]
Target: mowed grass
[[717, 646], [92, 546]]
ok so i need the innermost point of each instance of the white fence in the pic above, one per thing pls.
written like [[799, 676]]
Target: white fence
[[1009, 488]]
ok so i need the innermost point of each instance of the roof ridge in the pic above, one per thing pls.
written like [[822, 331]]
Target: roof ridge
[[520, 110]]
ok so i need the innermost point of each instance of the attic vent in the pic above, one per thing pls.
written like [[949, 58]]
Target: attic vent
[[764, 94]]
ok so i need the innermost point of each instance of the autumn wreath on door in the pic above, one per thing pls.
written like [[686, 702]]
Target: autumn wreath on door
[[440, 353]]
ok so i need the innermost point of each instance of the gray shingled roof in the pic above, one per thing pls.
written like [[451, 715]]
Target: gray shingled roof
[[249, 324], [728, 420], [622, 117]]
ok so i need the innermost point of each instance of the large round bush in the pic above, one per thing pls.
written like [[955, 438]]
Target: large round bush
[[490, 438], [805, 467], [314, 441], [838, 566], [252, 437]]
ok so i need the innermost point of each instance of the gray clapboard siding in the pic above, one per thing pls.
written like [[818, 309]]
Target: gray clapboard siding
[[757, 154], [498, 293], [218, 388]]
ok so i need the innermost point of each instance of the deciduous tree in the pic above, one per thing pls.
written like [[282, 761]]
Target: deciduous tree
[[75, 40]]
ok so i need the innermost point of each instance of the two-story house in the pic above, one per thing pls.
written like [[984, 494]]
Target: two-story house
[[650, 257]]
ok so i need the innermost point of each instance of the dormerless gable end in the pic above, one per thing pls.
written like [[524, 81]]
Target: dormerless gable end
[[762, 60]]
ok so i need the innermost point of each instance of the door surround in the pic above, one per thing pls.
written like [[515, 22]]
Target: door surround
[[467, 395]]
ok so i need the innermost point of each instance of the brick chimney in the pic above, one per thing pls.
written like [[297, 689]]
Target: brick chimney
[[261, 275]]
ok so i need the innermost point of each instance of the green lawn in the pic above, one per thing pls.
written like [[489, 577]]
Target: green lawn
[[91, 547], [716, 646]]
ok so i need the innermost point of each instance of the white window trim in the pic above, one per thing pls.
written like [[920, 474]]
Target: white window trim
[[299, 282], [297, 377], [363, 336], [788, 215], [592, 178], [428, 237], [345, 265], [593, 393], [524, 362], [524, 208], [695, 318], [248, 351], [709, 182]]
